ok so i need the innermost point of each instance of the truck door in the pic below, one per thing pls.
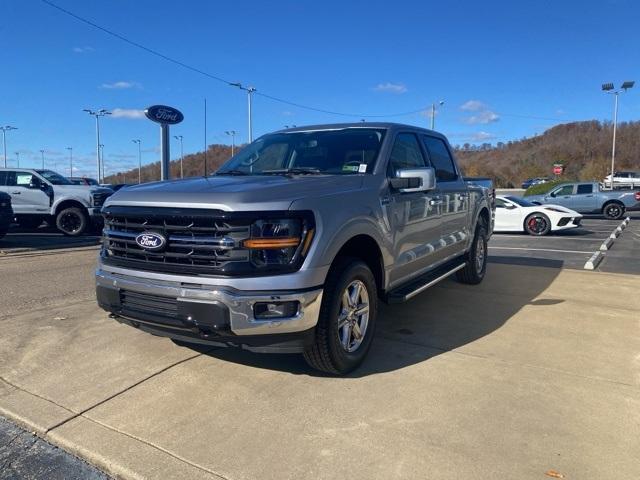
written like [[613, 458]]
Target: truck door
[[454, 195], [413, 216], [562, 195], [26, 193], [584, 200]]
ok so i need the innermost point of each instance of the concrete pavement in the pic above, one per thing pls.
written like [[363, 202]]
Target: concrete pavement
[[535, 369]]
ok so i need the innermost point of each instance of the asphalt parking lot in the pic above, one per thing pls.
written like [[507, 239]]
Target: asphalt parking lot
[[534, 372]]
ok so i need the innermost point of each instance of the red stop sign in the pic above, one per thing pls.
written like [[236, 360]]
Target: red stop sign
[[557, 170]]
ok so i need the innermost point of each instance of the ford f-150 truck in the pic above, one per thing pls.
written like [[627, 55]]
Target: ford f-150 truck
[[38, 195], [290, 245], [588, 197]]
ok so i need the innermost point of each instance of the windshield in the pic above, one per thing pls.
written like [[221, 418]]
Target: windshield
[[54, 178], [520, 201], [330, 152]]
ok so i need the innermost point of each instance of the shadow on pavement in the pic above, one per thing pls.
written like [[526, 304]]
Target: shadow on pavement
[[21, 240], [443, 318]]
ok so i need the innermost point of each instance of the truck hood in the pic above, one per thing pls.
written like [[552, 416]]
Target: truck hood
[[235, 193]]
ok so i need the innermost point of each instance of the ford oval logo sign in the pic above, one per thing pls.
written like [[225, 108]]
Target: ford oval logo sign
[[164, 114], [151, 241]]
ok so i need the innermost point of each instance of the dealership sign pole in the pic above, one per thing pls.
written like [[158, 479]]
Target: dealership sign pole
[[165, 116]]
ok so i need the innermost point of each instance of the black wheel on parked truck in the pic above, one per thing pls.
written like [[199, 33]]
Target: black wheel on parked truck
[[347, 319], [476, 264], [613, 210], [72, 221]]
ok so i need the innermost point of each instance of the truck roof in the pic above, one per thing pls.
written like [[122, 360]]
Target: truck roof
[[382, 125]]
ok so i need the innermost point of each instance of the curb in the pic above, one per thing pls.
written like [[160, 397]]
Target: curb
[[593, 262], [606, 245], [597, 257]]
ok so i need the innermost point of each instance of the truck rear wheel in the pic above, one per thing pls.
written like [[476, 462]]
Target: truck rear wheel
[[613, 210], [476, 264], [347, 319], [72, 221]]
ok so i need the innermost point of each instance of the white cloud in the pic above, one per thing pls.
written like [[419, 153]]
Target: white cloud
[[391, 87], [287, 113], [481, 136], [127, 113], [85, 49], [121, 85], [473, 106], [482, 118]]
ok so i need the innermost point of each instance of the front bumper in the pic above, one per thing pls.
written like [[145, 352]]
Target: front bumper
[[206, 313]]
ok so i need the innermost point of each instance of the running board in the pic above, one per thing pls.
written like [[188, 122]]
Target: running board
[[420, 284]]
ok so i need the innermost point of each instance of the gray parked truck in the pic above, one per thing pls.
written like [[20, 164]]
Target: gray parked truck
[[290, 245], [588, 197], [39, 195]]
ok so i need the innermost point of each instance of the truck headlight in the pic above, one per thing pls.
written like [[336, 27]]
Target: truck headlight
[[279, 242]]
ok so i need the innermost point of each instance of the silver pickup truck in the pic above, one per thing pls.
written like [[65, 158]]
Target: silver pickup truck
[[589, 197], [290, 245]]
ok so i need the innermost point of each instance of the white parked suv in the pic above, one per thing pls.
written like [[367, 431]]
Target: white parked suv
[[39, 195]]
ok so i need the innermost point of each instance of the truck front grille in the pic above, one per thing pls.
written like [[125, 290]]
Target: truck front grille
[[100, 197], [197, 241]]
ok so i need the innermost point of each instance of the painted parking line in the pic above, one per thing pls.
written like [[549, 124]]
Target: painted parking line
[[541, 250], [523, 237]]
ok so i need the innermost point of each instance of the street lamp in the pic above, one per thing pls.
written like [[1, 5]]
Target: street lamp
[[249, 91], [609, 88], [70, 161], [137, 140], [97, 113], [101, 146], [42, 153], [433, 113], [5, 129], [179, 137], [232, 133], [18, 159]]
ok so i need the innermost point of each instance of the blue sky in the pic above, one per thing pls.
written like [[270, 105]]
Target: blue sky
[[504, 69]]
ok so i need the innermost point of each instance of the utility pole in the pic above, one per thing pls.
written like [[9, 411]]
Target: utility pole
[[98, 113], [609, 88], [232, 133], [250, 91], [137, 140], [18, 159], [101, 146], [70, 161], [433, 113], [179, 137], [42, 153], [5, 129]]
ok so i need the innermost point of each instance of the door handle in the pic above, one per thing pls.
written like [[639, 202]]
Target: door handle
[[435, 202], [16, 193], [385, 200]]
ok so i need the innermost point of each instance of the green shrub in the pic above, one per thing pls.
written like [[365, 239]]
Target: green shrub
[[542, 188]]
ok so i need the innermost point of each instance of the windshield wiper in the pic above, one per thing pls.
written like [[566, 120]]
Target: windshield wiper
[[293, 171], [231, 172]]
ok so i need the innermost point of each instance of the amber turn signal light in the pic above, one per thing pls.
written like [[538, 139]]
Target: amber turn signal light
[[266, 243]]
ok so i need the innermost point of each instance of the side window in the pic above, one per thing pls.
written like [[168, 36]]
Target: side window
[[10, 181], [23, 179], [3, 178], [584, 189], [566, 190], [500, 203], [440, 158], [406, 153]]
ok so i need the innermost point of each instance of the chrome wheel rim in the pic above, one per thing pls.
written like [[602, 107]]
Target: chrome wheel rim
[[353, 318], [480, 254]]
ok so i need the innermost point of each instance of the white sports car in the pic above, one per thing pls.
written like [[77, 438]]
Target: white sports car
[[514, 214]]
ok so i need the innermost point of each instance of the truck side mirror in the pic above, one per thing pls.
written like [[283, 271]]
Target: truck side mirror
[[414, 180]]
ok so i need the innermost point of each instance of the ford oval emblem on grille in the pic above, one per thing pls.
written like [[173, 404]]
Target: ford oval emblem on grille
[[151, 241]]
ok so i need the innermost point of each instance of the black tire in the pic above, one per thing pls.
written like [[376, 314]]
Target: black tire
[[476, 265], [537, 224], [613, 210], [3, 231], [334, 351], [30, 221], [72, 221]]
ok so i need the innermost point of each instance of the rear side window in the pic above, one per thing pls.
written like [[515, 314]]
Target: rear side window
[[582, 189], [3, 178], [440, 159], [406, 153]]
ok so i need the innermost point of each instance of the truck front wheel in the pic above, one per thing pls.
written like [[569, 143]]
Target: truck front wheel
[[347, 319], [476, 264], [72, 221]]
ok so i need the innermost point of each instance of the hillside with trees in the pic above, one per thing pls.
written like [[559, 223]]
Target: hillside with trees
[[584, 148]]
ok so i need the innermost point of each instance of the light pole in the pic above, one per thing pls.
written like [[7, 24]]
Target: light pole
[[18, 159], [42, 153], [609, 88], [433, 113], [70, 161], [137, 140], [101, 146], [5, 129], [97, 113], [233, 141], [249, 91], [179, 137]]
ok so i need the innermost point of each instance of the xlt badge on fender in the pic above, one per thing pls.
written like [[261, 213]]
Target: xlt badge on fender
[[151, 241]]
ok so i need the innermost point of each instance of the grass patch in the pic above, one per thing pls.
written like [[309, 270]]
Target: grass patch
[[543, 188]]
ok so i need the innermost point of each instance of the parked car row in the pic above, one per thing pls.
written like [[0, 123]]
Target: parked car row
[[515, 214]]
